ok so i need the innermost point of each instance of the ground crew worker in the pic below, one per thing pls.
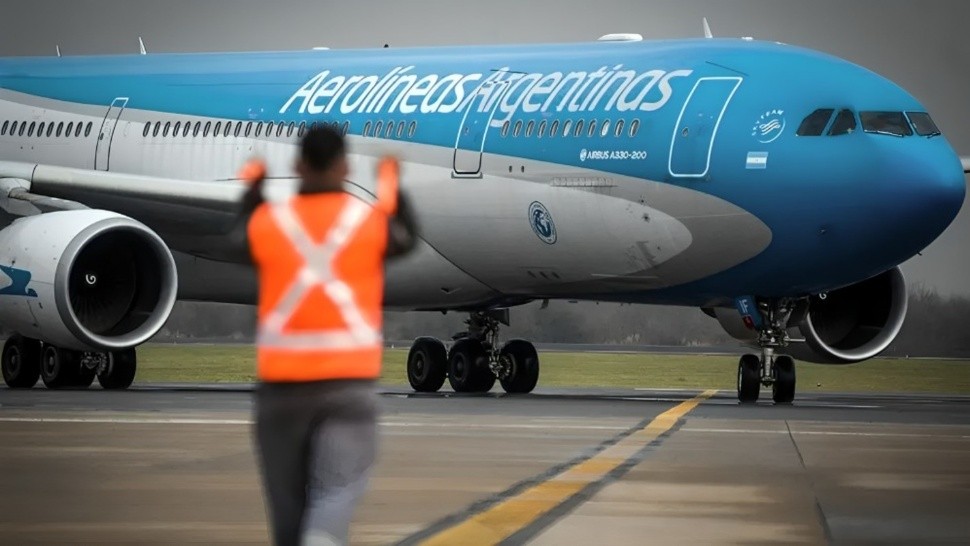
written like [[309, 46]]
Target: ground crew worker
[[320, 263]]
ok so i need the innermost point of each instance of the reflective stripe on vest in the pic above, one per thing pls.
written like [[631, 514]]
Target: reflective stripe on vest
[[317, 270]]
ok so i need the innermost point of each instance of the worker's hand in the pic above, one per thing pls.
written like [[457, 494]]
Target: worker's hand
[[388, 179], [253, 172]]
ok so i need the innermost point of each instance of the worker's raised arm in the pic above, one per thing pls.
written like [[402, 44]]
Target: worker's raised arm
[[402, 230]]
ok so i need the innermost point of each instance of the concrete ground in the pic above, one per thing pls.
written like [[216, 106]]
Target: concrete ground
[[174, 465]]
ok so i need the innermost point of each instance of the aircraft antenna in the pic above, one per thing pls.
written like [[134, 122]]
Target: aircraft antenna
[[141, 46], [707, 29]]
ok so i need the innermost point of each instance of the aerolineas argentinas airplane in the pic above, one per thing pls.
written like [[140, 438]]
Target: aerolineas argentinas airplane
[[774, 187]]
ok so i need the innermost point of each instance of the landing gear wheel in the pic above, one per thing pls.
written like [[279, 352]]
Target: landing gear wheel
[[523, 362], [427, 364], [749, 378], [119, 373], [21, 362], [59, 368], [783, 389], [468, 369]]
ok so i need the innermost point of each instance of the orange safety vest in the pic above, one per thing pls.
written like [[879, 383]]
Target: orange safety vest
[[320, 263]]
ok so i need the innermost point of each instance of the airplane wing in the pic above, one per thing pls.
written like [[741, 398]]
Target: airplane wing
[[192, 217]]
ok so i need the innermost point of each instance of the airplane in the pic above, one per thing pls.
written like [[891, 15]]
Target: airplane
[[774, 187]]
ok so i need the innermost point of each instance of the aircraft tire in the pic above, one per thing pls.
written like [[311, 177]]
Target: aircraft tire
[[783, 389], [468, 367], [427, 364], [120, 372], [749, 378], [21, 362], [59, 368], [524, 361]]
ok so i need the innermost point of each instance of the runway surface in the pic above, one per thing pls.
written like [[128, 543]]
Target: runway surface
[[174, 464]]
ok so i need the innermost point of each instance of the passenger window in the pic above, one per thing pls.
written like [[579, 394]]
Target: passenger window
[[885, 123], [923, 123], [168, 126], [302, 130], [23, 127], [606, 128], [592, 128], [366, 129], [205, 130], [529, 128], [249, 128], [238, 130], [30, 131], [77, 130], [269, 129], [186, 129], [517, 128], [13, 128], [346, 127], [217, 129], [227, 129], [844, 123], [158, 126], [178, 126], [290, 128], [566, 126], [3, 131], [87, 128], [554, 128], [619, 128], [579, 128], [279, 128], [60, 129], [412, 128], [197, 128], [259, 129], [50, 129], [634, 127], [378, 129], [542, 129], [389, 131], [144, 131], [815, 123], [400, 129], [505, 128], [40, 129]]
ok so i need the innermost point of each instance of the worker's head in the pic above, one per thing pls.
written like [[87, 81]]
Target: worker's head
[[323, 159]]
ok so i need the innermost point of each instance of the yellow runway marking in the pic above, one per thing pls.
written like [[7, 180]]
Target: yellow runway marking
[[506, 518]]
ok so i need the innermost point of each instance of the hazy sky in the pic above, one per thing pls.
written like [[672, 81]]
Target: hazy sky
[[920, 45]]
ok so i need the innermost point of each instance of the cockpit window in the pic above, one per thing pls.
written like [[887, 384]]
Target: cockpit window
[[923, 123], [885, 123], [844, 123], [814, 124]]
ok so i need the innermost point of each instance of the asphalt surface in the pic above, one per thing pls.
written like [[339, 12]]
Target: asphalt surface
[[169, 464]]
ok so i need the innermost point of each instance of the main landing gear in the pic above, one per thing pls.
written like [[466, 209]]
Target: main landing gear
[[475, 360], [26, 360], [769, 369]]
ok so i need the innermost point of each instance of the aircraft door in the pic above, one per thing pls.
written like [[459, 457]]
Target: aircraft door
[[470, 143], [697, 125], [102, 152]]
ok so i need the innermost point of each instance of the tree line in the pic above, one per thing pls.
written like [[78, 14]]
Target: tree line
[[936, 325]]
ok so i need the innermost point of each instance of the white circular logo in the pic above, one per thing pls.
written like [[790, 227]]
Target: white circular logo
[[769, 126], [542, 223], [582, 154]]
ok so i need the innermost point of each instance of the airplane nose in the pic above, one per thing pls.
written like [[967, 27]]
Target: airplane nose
[[925, 193]]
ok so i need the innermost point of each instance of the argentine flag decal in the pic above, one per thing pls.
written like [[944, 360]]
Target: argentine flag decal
[[757, 160]]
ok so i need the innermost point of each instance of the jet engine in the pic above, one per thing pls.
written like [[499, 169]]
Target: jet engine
[[85, 280], [847, 325]]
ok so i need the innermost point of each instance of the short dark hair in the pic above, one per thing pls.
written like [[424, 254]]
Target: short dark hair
[[321, 146]]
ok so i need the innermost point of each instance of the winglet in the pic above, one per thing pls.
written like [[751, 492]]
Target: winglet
[[707, 29], [58, 48], [966, 164], [141, 46]]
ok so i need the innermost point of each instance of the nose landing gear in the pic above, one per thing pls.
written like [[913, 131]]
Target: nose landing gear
[[769, 369]]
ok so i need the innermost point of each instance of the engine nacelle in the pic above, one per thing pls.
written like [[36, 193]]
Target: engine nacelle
[[85, 280], [849, 325]]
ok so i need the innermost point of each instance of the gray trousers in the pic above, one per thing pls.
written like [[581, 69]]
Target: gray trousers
[[316, 443]]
